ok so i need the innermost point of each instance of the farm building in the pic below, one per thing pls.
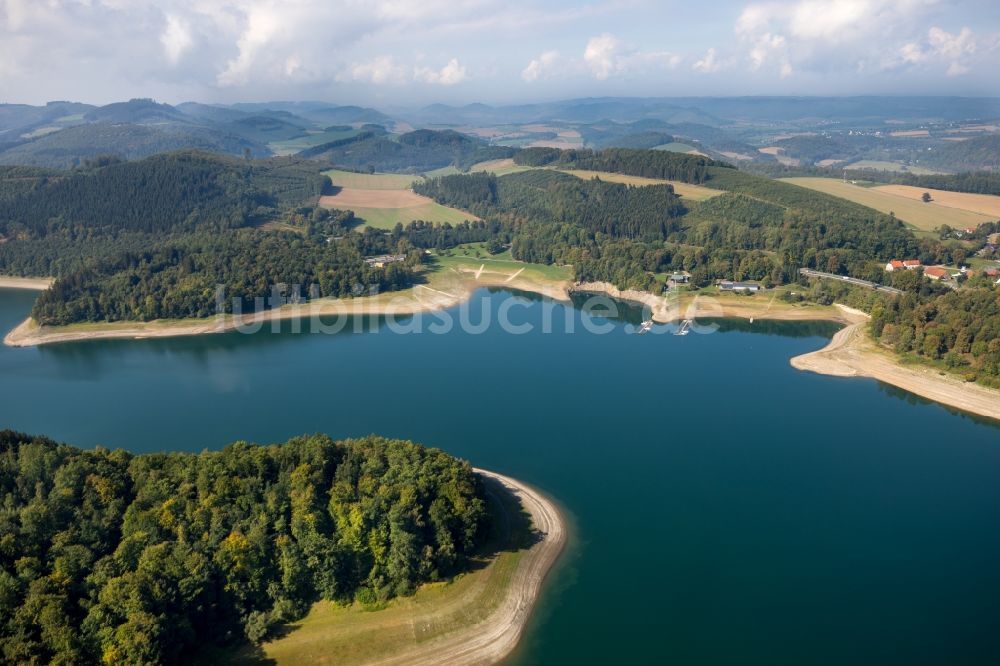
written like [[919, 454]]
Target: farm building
[[937, 273], [729, 285], [897, 265]]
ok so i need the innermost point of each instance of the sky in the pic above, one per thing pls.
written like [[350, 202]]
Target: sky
[[407, 53]]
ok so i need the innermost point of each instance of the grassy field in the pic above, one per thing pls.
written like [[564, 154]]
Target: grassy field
[[386, 218], [693, 192], [443, 171], [676, 147], [371, 181], [878, 165], [464, 257], [921, 216], [500, 167], [382, 200], [292, 146]]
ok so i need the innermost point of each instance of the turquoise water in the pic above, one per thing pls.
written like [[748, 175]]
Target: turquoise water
[[727, 509]]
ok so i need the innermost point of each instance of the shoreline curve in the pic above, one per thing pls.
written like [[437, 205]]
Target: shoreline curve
[[848, 354], [498, 635], [851, 353]]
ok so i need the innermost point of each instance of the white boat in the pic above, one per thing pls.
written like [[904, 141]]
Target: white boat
[[645, 326], [685, 328]]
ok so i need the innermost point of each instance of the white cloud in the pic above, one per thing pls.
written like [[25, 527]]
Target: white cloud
[[940, 46], [605, 56], [379, 70], [709, 63], [448, 75], [601, 55], [176, 38], [825, 36], [541, 67]]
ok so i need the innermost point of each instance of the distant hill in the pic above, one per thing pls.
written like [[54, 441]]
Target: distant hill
[[211, 112], [421, 150], [16, 119], [980, 153], [266, 128], [320, 112], [71, 146], [139, 111]]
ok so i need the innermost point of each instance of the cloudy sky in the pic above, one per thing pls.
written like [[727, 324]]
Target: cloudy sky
[[411, 52]]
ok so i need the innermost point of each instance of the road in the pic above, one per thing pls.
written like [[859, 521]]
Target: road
[[808, 272]]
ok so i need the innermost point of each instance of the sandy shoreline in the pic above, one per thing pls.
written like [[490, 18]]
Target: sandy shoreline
[[491, 640], [849, 353], [34, 283], [416, 300], [852, 353], [666, 310]]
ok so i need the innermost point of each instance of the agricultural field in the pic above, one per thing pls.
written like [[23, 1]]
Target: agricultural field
[[382, 200], [921, 216], [443, 171], [692, 192], [387, 218], [500, 167], [677, 147], [371, 181], [385, 208], [312, 138], [896, 167], [986, 204]]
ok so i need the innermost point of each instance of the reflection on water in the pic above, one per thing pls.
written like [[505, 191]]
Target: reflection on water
[[785, 329]]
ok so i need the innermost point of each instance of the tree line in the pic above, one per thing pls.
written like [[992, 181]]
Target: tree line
[[662, 164]]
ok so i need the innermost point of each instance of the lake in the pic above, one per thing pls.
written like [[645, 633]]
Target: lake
[[726, 508]]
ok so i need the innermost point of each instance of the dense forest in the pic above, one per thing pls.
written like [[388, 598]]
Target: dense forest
[[180, 279], [172, 192], [758, 229], [612, 209], [646, 163], [114, 558], [958, 328], [157, 238]]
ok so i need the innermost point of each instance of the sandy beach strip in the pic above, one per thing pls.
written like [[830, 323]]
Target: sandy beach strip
[[415, 300], [666, 310], [494, 638], [852, 353], [34, 283], [849, 354]]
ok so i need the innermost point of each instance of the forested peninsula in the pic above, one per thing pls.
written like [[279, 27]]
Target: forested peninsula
[[114, 558]]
